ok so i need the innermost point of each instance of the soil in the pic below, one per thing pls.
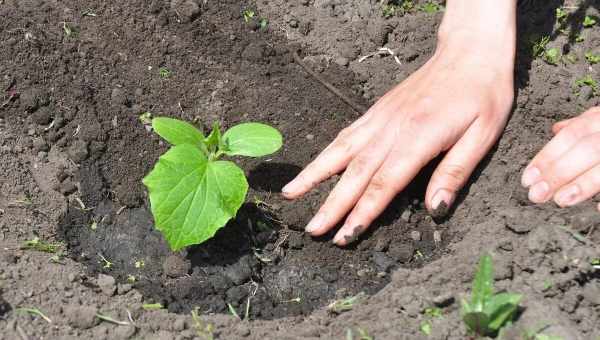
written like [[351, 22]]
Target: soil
[[76, 75]]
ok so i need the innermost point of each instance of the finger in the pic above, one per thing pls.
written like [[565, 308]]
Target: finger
[[456, 167], [404, 162], [582, 188], [560, 125], [562, 142], [334, 158], [583, 156], [351, 185], [598, 206]]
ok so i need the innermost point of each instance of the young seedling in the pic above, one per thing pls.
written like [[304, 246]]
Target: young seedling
[[111, 320], [88, 13], [70, 31], [152, 306], [579, 38], [589, 82], [552, 56], [204, 330], [362, 334], [343, 305], [193, 193], [131, 278], [164, 72], [248, 15], [34, 311], [263, 23], [561, 16], [537, 334], [539, 47], [145, 118], [430, 7], [106, 263], [39, 245], [139, 264], [487, 312], [426, 326], [592, 58], [589, 21]]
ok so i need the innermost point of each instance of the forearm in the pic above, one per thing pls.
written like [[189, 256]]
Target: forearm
[[480, 24]]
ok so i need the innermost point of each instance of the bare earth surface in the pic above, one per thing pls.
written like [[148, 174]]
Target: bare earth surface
[[76, 75]]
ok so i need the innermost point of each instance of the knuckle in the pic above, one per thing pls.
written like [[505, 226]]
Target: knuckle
[[379, 183], [343, 145], [359, 165], [457, 174]]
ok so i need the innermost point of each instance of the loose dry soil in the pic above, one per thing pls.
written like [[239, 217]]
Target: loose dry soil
[[76, 75]]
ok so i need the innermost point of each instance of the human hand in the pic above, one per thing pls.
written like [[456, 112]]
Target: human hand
[[567, 169], [458, 102]]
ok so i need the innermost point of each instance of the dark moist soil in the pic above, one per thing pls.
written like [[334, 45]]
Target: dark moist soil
[[73, 152], [221, 69]]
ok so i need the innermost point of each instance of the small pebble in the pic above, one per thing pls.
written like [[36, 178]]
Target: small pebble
[[415, 235]]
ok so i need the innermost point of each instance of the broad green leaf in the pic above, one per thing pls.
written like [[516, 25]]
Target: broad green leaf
[[252, 139], [177, 132], [190, 197], [501, 308], [483, 285], [477, 322]]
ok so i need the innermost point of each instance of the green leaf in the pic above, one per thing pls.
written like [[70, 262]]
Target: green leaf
[[483, 285], [589, 21], [477, 322], [191, 197], [252, 139], [547, 337], [501, 308], [177, 132], [214, 139]]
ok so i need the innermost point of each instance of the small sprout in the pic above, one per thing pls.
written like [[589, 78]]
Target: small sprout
[[561, 15], [433, 312], [430, 7], [362, 334], [418, 255], [111, 320], [343, 305], [57, 258], [579, 38], [539, 47], [39, 245], [592, 58], [152, 306], [572, 58], [263, 23], [145, 118], [164, 72], [70, 31], [232, 311], [204, 330], [131, 278], [139, 264], [426, 327], [94, 225], [487, 312], [107, 263], [295, 300], [248, 14], [552, 56], [589, 82], [547, 285], [389, 10], [88, 13], [34, 311], [537, 334], [589, 21]]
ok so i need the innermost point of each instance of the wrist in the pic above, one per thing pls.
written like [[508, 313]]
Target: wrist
[[480, 27]]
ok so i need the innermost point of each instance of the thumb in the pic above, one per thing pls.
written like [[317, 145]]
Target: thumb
[[456, 167]]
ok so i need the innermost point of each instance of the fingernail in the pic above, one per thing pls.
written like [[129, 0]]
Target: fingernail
[[530, 176], [316, 222], [441, 201], [568, 196], [539, 192], [338, 237]]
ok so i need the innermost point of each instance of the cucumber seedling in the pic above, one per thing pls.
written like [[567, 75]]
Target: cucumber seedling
[[487, 312], [193, 193]]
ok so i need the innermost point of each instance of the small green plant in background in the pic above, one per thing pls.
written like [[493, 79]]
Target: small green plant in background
[[393, 8], [589, 21], [552, 56], [430, 7], [204, 330], [248, 15], [537, 334], [164, 72], [561, 16], [70, 31], [487, 312], [539, 46], [589, 82], [343, 305], [362, 334], [193, 193], [426, 326], [592, 58], [39, 245]]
